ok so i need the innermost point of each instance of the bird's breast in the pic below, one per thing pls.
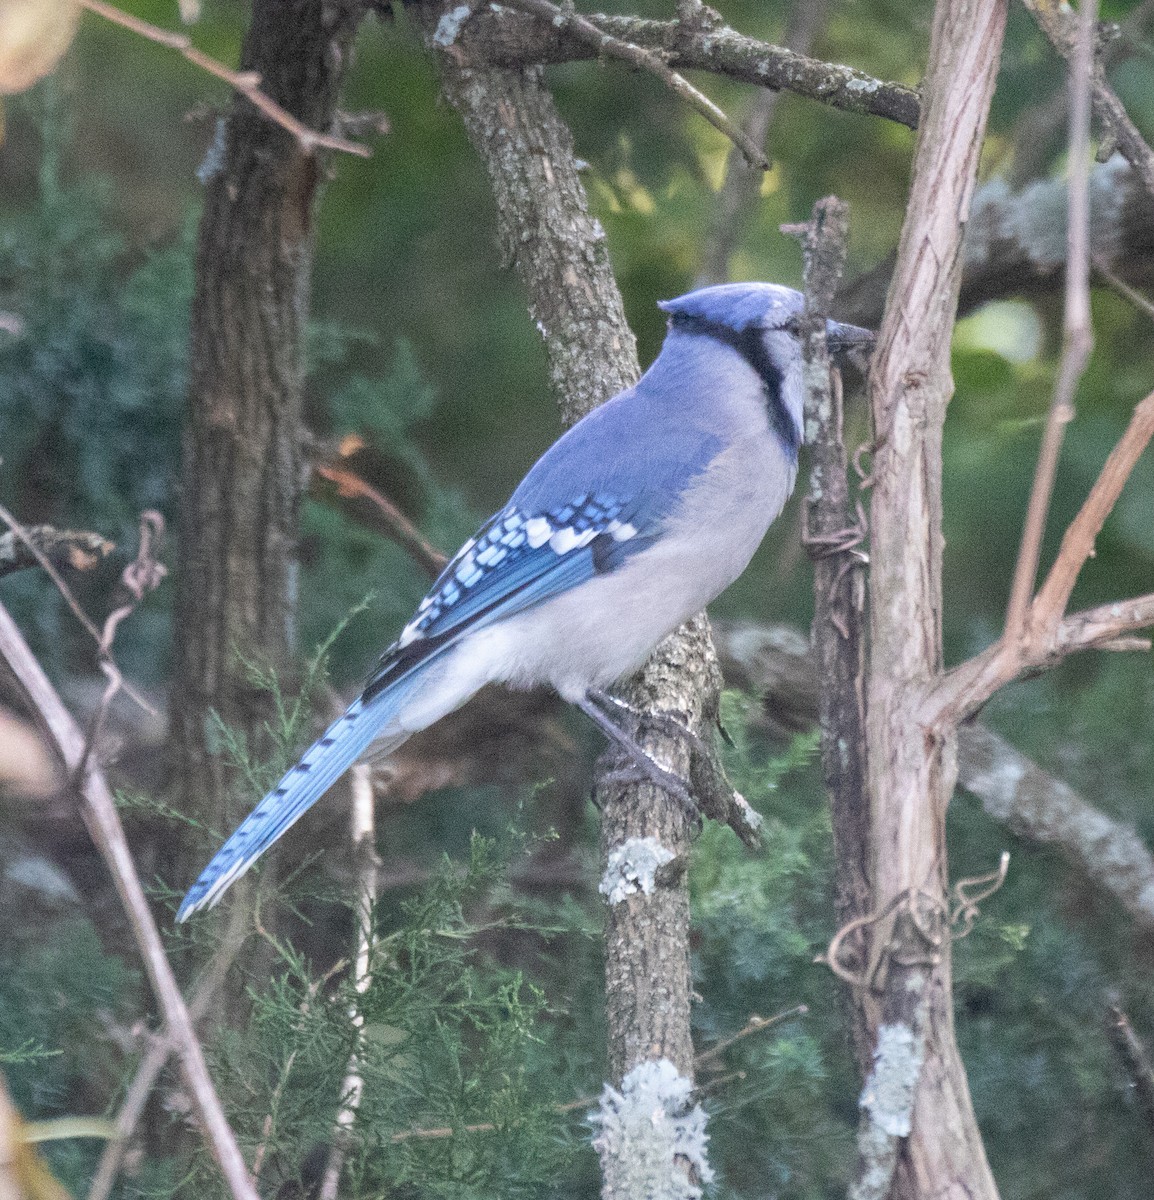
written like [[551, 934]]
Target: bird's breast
[[605, 628]]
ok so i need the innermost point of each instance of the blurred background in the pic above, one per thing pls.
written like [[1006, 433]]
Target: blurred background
[[421, 348]]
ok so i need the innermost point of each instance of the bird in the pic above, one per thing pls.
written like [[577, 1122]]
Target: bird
[[630, 523]]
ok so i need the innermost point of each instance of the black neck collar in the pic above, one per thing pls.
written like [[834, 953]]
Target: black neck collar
[[749, 344]]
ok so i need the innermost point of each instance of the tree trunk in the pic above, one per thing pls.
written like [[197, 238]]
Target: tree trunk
[[560, 255], [242, 473], [916, 1103]]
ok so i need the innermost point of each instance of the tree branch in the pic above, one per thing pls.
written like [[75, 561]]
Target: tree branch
[[1049, 635], [1078, 336], [917, 1122], [739, 195], [559, 254], [1060, 25], [833, 533], [504, 38], [637, 56], [100, 816], [79, 549], [364, 839], [247, 83], [777, 665]]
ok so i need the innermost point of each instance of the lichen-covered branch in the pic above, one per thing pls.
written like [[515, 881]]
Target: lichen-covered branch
[[506, 38], [1015, 241], [79, 549], [608, 46]]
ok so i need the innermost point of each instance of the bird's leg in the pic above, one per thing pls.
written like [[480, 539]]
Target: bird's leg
[[666, 780], [666, 722]]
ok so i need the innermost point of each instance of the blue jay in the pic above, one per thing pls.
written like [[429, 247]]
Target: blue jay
[[635, 519]]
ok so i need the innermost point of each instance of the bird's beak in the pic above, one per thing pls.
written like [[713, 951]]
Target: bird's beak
[[841, 338], [851, 342]]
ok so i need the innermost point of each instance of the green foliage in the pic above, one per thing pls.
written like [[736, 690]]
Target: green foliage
[[760, 920], [63, 1001], [461, 1067]]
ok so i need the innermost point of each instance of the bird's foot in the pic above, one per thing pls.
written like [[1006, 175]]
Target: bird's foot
[[641, 767]]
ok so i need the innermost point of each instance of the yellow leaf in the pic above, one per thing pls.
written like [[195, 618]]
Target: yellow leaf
[[34, 34]]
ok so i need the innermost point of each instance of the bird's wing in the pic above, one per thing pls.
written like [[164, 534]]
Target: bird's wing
[[590, 503], [516, 560], [586, 507]]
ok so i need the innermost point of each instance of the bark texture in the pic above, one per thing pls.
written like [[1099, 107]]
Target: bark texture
[[242, 473], [911, 777], [833, 538], [559, 251], [511, 39]]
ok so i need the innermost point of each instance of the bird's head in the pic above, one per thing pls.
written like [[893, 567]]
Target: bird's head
[[730, 310], [761, 322]]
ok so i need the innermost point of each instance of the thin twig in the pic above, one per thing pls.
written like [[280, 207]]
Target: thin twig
[[1078, 541], [738, 198], [160, 1049], [97, 635], [396, 525], [500, 37], [1101, 626], [1078, 339], [144, 574], [99, 812], [247, 83], [755, 1024], [1136, 1059], [1120, 285], [1057, 22], [646, 60], [353, 1086]]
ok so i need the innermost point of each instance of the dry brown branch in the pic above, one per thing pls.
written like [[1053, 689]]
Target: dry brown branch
[[79, 549], [637, 56], [100, 816], [1078, 336], [160, 1049], [1078, 540], [776, 664], [247, 83], [1060, 26], [501, 37], [1048, 634], [390, 520], [917, 1128]]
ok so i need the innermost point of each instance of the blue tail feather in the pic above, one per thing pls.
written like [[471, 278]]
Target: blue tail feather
[[342, 744]]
